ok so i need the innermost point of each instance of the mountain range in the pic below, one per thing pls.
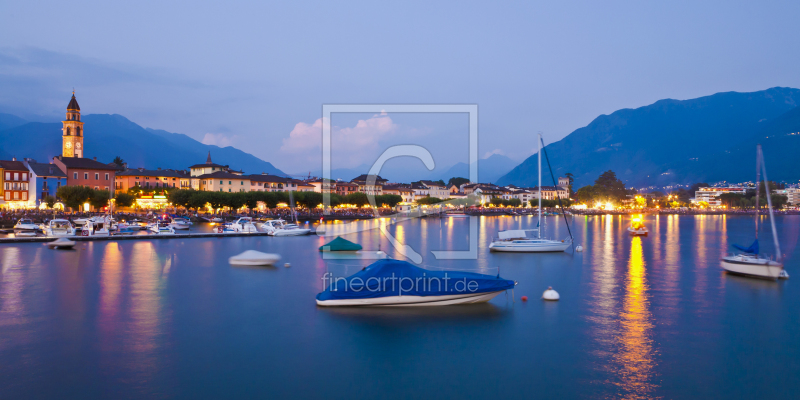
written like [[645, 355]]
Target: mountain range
[[710, 138], [489, 170], [108, 136]]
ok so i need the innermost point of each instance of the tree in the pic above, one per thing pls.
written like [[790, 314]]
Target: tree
[[235, 200], [429, 200], [197, 200], [74, 196], [308, 199], [251, 200], [99, 198], [585, 195], [571, 178], [49, 200], [779, 200], [608, 187], [216, 199], [180, 197], [358, 199], [124, 200], [388, 200], [457, 181], [118, 161]]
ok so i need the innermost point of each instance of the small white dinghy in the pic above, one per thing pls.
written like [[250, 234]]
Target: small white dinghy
[[254, 258], [61, 243]]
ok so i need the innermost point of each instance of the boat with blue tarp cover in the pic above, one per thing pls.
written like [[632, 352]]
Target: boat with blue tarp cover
[[400, 283]]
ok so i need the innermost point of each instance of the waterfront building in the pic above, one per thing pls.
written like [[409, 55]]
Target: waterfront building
[[375, 188], [405, 192], [151, 179], [223, 181], [563, 182], [420, 190], [551, 192], [322, 185], [16, 184], [345, 188], [86, 172], [792, 194], [72, 131], [302, 186], [436, 189], [711, 195], [45, 179]]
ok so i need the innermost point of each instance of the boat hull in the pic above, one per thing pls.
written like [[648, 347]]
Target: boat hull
[[412, 301], [511, 247], [758, 268]]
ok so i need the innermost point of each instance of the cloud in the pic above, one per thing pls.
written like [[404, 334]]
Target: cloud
[[493, 152], [350, 146], [219, 139]]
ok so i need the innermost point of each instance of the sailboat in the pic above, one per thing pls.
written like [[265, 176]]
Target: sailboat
[[749, 262], [517, 241]]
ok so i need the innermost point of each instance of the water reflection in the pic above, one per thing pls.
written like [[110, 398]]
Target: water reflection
[[636, 357]]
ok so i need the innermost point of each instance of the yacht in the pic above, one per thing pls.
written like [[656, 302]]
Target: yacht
[[279, 227], [749, 262], [159, 228], [180, 224], [517, 241], [432, 288], [59, 227], [97, 226], [25, 224], [244, 225]]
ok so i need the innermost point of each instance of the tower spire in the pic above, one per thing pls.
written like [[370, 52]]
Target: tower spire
[[208, 160]]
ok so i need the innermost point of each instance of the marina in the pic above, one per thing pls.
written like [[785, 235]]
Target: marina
[[637, 317]]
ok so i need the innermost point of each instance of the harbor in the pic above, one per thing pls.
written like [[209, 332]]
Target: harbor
[[159, 319]]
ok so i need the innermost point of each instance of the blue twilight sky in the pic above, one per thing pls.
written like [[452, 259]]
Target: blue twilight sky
[[254, 75]]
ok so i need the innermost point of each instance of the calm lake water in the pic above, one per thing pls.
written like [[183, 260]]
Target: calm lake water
[[638, 318]]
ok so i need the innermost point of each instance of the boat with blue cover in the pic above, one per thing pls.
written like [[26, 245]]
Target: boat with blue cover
[[400, 283]]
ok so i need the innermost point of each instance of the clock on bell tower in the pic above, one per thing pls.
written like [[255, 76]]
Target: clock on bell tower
[[72, 130]]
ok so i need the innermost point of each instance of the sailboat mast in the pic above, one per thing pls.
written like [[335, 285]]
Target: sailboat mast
[[539, 226], [758, 185], [769, 203]]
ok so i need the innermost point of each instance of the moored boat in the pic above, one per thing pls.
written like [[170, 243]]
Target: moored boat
[[279, 227], [399, 283], [59, 227], [749, 262], [25, 224]]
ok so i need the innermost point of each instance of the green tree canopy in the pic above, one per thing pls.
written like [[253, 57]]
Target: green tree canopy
[[74, 196], [458, 181], [124, 199]]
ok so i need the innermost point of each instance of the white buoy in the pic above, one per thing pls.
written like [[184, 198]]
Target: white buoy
[[550, 294], [579, 248], [253, 258], [287, 265]]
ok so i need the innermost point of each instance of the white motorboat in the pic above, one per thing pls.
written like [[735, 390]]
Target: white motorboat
[[244, 225], [160, 228], [25, 224], [254, 258], [517, 240], [749, 262], [97, 226], [61, 243], [216, 219], [80, 221], [180, 224], [279, 227], [59, 227]]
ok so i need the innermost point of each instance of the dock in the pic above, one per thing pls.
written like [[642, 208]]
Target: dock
[[45, 239]]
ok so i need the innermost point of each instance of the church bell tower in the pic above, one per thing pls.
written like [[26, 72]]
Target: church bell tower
[[72, 131]]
